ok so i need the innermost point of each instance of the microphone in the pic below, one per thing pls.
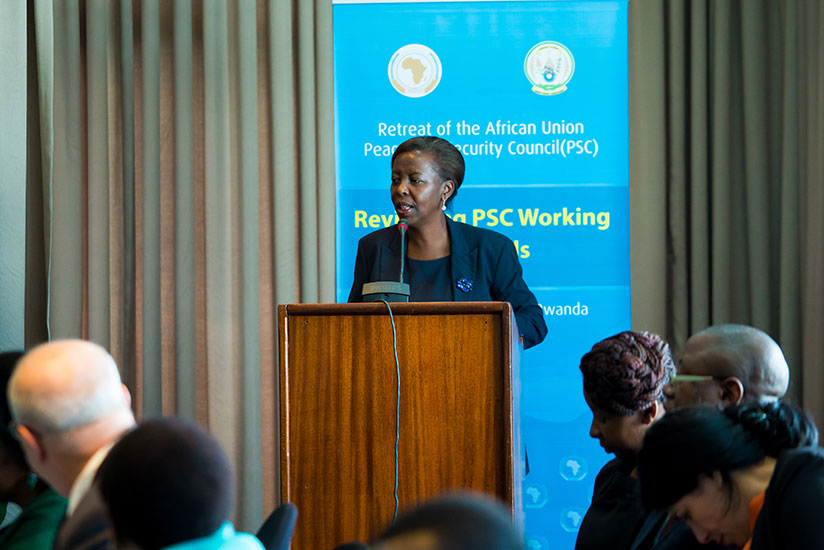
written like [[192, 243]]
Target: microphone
[[390, 291]]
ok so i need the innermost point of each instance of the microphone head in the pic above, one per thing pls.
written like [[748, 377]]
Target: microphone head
[[402, 226]]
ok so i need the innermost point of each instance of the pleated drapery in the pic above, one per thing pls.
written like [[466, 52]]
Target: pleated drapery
[[726, 172], [180, 186]]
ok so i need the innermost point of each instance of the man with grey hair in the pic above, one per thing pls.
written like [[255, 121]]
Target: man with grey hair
[[70, 408], [728, 364]]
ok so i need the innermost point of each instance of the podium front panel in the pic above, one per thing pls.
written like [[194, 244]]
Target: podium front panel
[[338, 399]]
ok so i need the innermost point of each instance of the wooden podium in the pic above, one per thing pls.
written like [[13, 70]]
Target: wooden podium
[[458, 414]]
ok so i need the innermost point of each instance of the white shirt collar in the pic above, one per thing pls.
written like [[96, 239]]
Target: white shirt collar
[[84, 480]]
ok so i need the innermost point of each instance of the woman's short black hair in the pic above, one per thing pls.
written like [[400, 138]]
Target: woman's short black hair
[[8, 360], [693, 441], [165, 482], [449, 159]]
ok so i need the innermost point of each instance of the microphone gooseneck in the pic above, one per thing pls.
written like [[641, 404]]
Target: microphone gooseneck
[[402, 227]]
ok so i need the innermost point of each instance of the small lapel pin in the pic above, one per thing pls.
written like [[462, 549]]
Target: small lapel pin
[[464, 285]]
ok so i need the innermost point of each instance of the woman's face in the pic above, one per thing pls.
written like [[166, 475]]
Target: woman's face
[[619, 435], [417, 190], [713, 513]]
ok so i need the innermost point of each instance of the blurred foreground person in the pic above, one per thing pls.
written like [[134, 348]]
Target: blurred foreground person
[[42, 508], [168, 484], [70, 407], [458, 522], [750, 476]]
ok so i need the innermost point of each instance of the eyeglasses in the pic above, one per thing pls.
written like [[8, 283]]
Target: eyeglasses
[[694, 378]]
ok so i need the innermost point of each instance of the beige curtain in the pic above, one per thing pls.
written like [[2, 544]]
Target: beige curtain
[[180, 186], [727, 170]]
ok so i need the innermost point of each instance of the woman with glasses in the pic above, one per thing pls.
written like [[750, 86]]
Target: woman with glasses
[[624, 377], [749, 476], [42, 508]]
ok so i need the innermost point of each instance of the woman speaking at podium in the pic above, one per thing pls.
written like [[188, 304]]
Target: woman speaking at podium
[[445, 260]]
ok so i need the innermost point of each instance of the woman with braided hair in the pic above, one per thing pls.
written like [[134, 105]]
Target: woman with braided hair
[[749, 476], [624, 377]]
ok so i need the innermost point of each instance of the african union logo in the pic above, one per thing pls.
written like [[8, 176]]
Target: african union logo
[[549, 66], [414, 70]]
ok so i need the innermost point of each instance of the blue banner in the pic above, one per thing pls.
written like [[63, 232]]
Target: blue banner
[[535, 96]]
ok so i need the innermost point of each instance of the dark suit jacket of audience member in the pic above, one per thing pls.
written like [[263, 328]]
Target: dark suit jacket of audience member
[[793, 512], [616, 515], [484, 257], [88, 527]]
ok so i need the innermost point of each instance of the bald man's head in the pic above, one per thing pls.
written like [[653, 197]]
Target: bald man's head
[[68, 403], [745, 363], [64, 385]]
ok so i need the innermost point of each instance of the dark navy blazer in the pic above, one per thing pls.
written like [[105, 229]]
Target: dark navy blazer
[[485, 258]]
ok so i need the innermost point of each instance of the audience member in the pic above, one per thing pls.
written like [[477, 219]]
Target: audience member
[[624, 377], [42, 508], [721, 365], [747, 475], [728, 364], [70, 408], [458, 522], [168, 484]]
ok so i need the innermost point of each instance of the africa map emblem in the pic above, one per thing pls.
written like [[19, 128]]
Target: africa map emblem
[[549, 66], [414, 70]]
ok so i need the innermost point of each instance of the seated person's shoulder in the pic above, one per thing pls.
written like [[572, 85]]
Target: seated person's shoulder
[[805, 464], [614, 466]]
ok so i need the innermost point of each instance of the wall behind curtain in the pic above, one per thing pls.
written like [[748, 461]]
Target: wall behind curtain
[[181, 184], [12, 173], [726, 194]]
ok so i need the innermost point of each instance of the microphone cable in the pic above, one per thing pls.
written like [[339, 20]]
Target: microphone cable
[[397, 404]]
